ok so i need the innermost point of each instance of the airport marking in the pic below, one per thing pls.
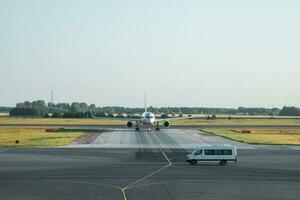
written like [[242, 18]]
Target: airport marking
[[145, 177], [166, 157], [133, 184]]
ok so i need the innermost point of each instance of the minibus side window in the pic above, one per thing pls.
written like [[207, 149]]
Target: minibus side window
[[218, 152], [209, 152], [228, 152]]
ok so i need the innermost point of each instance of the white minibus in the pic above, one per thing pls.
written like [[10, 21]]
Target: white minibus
[[219, 152]]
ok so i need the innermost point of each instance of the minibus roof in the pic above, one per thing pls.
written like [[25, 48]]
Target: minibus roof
[[215, 146]]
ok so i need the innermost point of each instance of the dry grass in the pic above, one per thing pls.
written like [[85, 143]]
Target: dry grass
[[30, 137], [261, 136]]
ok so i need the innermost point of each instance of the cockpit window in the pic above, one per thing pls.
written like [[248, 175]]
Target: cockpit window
[[148, 115]]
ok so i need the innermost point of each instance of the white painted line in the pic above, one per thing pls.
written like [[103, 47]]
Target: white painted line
[[124, 194], [166, 157], [148, 176], [133, 184]]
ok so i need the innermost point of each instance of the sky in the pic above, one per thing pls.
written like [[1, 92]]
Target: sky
[[210, 53]]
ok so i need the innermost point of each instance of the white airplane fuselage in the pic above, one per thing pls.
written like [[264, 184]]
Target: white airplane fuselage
[[148, 118]]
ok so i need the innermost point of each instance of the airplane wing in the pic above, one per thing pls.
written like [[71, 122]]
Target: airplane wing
[[117, 118], [174, 119]]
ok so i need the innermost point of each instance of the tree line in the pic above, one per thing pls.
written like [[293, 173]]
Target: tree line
[[5, 109], [83, 110], [290, 111]]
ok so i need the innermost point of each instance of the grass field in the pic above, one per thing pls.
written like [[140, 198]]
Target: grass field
[[34, 137], [261, 136], [246, 121]]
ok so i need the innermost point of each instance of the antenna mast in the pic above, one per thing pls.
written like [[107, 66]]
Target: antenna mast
[[145, 102], [51, 96]]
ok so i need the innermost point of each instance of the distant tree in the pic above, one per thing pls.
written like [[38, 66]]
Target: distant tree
[[5, 109], [39, 107], [290, 111], [164, 116], [36, 108], [92, 107], [21, 112], [75, 108], [83, 107]]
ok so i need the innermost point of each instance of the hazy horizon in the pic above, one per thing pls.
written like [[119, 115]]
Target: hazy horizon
[[142, 107], [180, 53]]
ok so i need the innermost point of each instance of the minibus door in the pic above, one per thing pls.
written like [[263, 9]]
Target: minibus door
[[198, 154]]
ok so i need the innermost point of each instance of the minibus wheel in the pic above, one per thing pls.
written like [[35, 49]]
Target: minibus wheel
[[193, 162], [223, 162]]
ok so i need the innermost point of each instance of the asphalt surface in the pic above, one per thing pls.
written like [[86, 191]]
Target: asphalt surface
[[165, 139], [148, 172]]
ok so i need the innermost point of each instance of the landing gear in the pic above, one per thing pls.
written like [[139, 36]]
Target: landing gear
[[157, 126], [137, 128]]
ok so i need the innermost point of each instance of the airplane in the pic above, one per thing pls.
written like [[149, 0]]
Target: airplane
[[146, 119]]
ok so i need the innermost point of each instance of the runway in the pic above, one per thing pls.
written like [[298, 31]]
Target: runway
[[153, 168], [165, 138]]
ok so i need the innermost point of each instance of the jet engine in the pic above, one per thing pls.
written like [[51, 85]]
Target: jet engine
[[166, 124], [129, 124]]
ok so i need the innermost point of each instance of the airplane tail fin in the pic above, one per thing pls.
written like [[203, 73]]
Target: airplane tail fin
[[145, 102]]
